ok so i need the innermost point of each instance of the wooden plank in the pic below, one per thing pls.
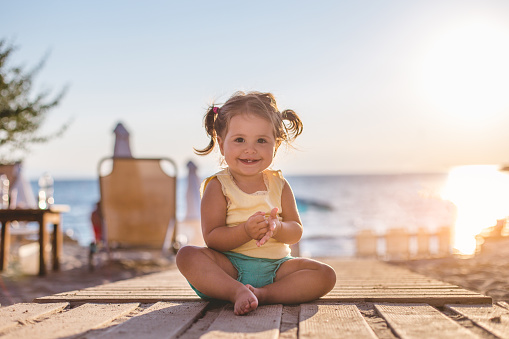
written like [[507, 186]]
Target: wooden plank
[[434, 299], [200, 327], [289, 322], [421, 291], [162, 286], [394, 282], [161, 320], [263, 322], [174, 291], [333, 321], [375, 281], [407, 291], [169, 274], [73, 322], [494, 319], [453, 289], [362, 284], [431, 299], [421, 321], [361, 267], [10, 316], [115, 299], [163, 294], [91, 292], [503, 304], [141, 289]]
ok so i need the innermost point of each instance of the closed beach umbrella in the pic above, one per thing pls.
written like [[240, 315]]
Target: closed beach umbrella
[[192, 193], [25, 197], [20, 192], [190, 226], [122, 148]]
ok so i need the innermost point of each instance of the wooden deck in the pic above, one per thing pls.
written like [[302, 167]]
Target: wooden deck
[[370, 300]]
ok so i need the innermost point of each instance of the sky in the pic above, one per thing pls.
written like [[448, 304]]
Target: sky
[[381, 86]]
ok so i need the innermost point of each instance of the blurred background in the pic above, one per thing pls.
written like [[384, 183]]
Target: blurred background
[[404, 104]]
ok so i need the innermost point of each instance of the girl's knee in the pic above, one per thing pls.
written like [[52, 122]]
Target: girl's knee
[[329, 275], [185, 254], [188, 255]]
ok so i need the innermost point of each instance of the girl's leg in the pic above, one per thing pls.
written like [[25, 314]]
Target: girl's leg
[[211, 273], [297, 280]]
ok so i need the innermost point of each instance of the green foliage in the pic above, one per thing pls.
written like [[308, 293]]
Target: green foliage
[[22, 113]]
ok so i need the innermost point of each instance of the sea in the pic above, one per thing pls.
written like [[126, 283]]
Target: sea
[[333, 208]]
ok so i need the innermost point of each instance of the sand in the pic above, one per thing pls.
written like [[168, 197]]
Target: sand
[[17, 286], [487, 272]]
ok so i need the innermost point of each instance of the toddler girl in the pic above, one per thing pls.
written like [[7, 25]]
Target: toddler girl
[[248, 213]]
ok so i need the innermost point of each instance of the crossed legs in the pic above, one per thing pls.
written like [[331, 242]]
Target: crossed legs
[[211, 273], [297, 280]]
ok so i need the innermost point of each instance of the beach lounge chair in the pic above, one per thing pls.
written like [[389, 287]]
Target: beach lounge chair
[[138, 204]]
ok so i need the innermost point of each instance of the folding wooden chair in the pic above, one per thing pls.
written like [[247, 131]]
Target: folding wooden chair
[[138, 204]]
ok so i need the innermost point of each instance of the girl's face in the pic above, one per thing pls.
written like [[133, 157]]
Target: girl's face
[[249, 145]]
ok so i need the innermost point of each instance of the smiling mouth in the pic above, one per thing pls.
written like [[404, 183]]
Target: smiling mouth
[[249, 161]]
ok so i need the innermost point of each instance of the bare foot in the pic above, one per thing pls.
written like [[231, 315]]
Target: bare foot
[[245, 301], [257, 292]]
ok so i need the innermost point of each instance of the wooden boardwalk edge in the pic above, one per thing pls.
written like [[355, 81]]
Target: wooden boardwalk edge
[[494, 319]]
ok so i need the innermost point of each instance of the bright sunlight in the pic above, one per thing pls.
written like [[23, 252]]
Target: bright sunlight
[[480, 195], [466, 73]]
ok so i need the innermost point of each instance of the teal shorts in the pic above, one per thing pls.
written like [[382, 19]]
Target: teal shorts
[[256, 272]]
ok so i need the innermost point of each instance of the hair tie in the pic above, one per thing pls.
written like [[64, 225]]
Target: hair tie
[[215, 110]]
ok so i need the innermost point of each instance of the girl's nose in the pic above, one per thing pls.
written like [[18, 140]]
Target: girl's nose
[[250, 149]]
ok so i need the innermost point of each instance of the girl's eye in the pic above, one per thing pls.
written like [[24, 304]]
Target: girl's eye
[[262, 141], [239, 140]]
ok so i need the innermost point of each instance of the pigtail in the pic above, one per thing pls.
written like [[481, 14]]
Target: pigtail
[[287, 124], [209, 122], [294, 126]]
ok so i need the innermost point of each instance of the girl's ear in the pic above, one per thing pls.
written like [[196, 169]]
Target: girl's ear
[[220, 142]]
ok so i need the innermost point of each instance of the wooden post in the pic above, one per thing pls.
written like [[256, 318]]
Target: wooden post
[[57, 241], [397, 243], [43, 241], [5, 244], [366, 242], [444, 241], [423, 237]]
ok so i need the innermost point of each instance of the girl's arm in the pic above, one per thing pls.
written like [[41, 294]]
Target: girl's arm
[[289, 230], [216, 234]]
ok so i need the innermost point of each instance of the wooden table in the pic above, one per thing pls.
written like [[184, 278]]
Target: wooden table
[[43, 217]]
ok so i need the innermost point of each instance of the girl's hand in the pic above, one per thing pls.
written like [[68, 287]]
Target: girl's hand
[[274, 226], [256, 226]]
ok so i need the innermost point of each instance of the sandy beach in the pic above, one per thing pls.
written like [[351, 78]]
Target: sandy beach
[[17, 286], [486, 273]]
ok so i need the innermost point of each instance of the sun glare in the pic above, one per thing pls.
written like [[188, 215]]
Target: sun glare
[[466, 72], [480, 195]]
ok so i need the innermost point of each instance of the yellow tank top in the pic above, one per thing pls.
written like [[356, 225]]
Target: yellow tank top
[[242, 205]]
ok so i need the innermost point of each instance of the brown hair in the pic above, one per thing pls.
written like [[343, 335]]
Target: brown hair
[[287, 124]]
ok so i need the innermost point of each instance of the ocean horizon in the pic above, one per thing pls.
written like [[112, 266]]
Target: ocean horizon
[[333, 208]]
